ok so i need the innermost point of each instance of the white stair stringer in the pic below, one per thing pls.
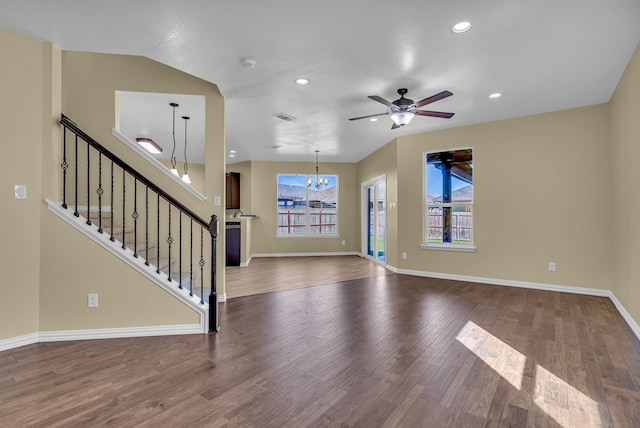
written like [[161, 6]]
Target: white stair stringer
[[138, 263]]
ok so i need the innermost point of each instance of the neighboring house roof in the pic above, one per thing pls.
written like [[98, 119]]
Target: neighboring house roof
[[462, 194]]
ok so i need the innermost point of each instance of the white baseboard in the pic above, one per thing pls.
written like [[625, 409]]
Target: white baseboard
[[532, 285], [113, 333], [627, 317], [16, 342], [340, 253]]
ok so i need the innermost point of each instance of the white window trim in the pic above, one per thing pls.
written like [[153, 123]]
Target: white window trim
[[470, 248], [307, 233]]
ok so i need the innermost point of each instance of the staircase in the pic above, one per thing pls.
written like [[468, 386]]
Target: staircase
[[146, 251], [131, 217]]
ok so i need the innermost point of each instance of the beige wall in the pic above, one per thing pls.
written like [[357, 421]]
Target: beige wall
[[49, 268], [89, 82], [625, 143], [263, 204], [22, 85], [541, 188]]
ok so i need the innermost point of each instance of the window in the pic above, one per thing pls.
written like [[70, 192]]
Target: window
[[448, 199], [307, 210]]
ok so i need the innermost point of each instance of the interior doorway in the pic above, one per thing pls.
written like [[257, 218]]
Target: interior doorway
[[374, 196]]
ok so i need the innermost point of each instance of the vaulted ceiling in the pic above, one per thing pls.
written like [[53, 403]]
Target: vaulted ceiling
[[543, 56]]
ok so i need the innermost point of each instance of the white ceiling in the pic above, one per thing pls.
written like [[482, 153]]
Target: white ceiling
[[543, 55]]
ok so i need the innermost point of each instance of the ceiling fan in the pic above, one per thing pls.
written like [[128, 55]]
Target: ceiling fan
[[403, 109]]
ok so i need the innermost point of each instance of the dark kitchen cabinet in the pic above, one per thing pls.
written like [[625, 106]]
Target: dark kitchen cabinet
[[233, 244], [233, 190]]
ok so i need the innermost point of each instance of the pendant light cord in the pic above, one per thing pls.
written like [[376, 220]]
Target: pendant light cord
[[173, 152], [186, 164]]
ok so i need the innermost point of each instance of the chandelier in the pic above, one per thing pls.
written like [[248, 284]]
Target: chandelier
[[319, 181]]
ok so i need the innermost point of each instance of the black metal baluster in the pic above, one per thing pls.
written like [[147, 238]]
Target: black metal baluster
[[135, 217], [100, 191], [64, 165], [88, 184], [169, 242], [158, 237], [146, 225], [112, 238], [180, 254], [75, 213], [201, 263], [124, 192], [191, 259]]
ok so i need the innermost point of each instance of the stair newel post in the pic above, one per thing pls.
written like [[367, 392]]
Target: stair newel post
[[213, 294], [191, 259], [112, 238], [180, 253], [100, 191], [88, 184], [201, 263], [124, 203], [158, 234], [169, 242], [76, 213], [135, 217], [146, 225], [64, 165]]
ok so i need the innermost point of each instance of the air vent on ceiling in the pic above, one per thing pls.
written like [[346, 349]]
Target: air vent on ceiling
[[285, 117]]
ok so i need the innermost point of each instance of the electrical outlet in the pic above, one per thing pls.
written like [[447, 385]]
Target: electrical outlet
[[404, 255], [552, 266], [344, 242], [92, 300]]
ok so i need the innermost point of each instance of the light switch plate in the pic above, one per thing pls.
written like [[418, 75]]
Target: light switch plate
[[216, 201], [20, 191]]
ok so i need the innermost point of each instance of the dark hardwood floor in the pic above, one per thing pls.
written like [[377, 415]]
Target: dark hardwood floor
[[390, 350]]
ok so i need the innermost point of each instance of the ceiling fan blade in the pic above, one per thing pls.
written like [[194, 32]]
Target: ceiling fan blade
[[371, 115], [395, 126], [440, 114], [433, 98], [381, 100]]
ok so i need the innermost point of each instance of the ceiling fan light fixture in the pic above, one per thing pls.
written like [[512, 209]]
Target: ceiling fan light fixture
[[461, 27], [149, 145], [402, 118]]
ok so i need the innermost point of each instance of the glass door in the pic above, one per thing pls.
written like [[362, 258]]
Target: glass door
[[374, 202]]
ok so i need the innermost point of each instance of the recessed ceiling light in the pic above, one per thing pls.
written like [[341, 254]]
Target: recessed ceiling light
[[461, 27], [373, 119], [495, 95], [231, 155], [302, 81], [232, 151]]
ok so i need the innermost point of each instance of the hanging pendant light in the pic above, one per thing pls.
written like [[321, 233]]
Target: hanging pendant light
[[173, 152], [319, 182], [185, 177]]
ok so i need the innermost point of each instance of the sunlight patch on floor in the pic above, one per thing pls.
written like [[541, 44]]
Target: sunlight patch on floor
[[562, 402], [502, 358]]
